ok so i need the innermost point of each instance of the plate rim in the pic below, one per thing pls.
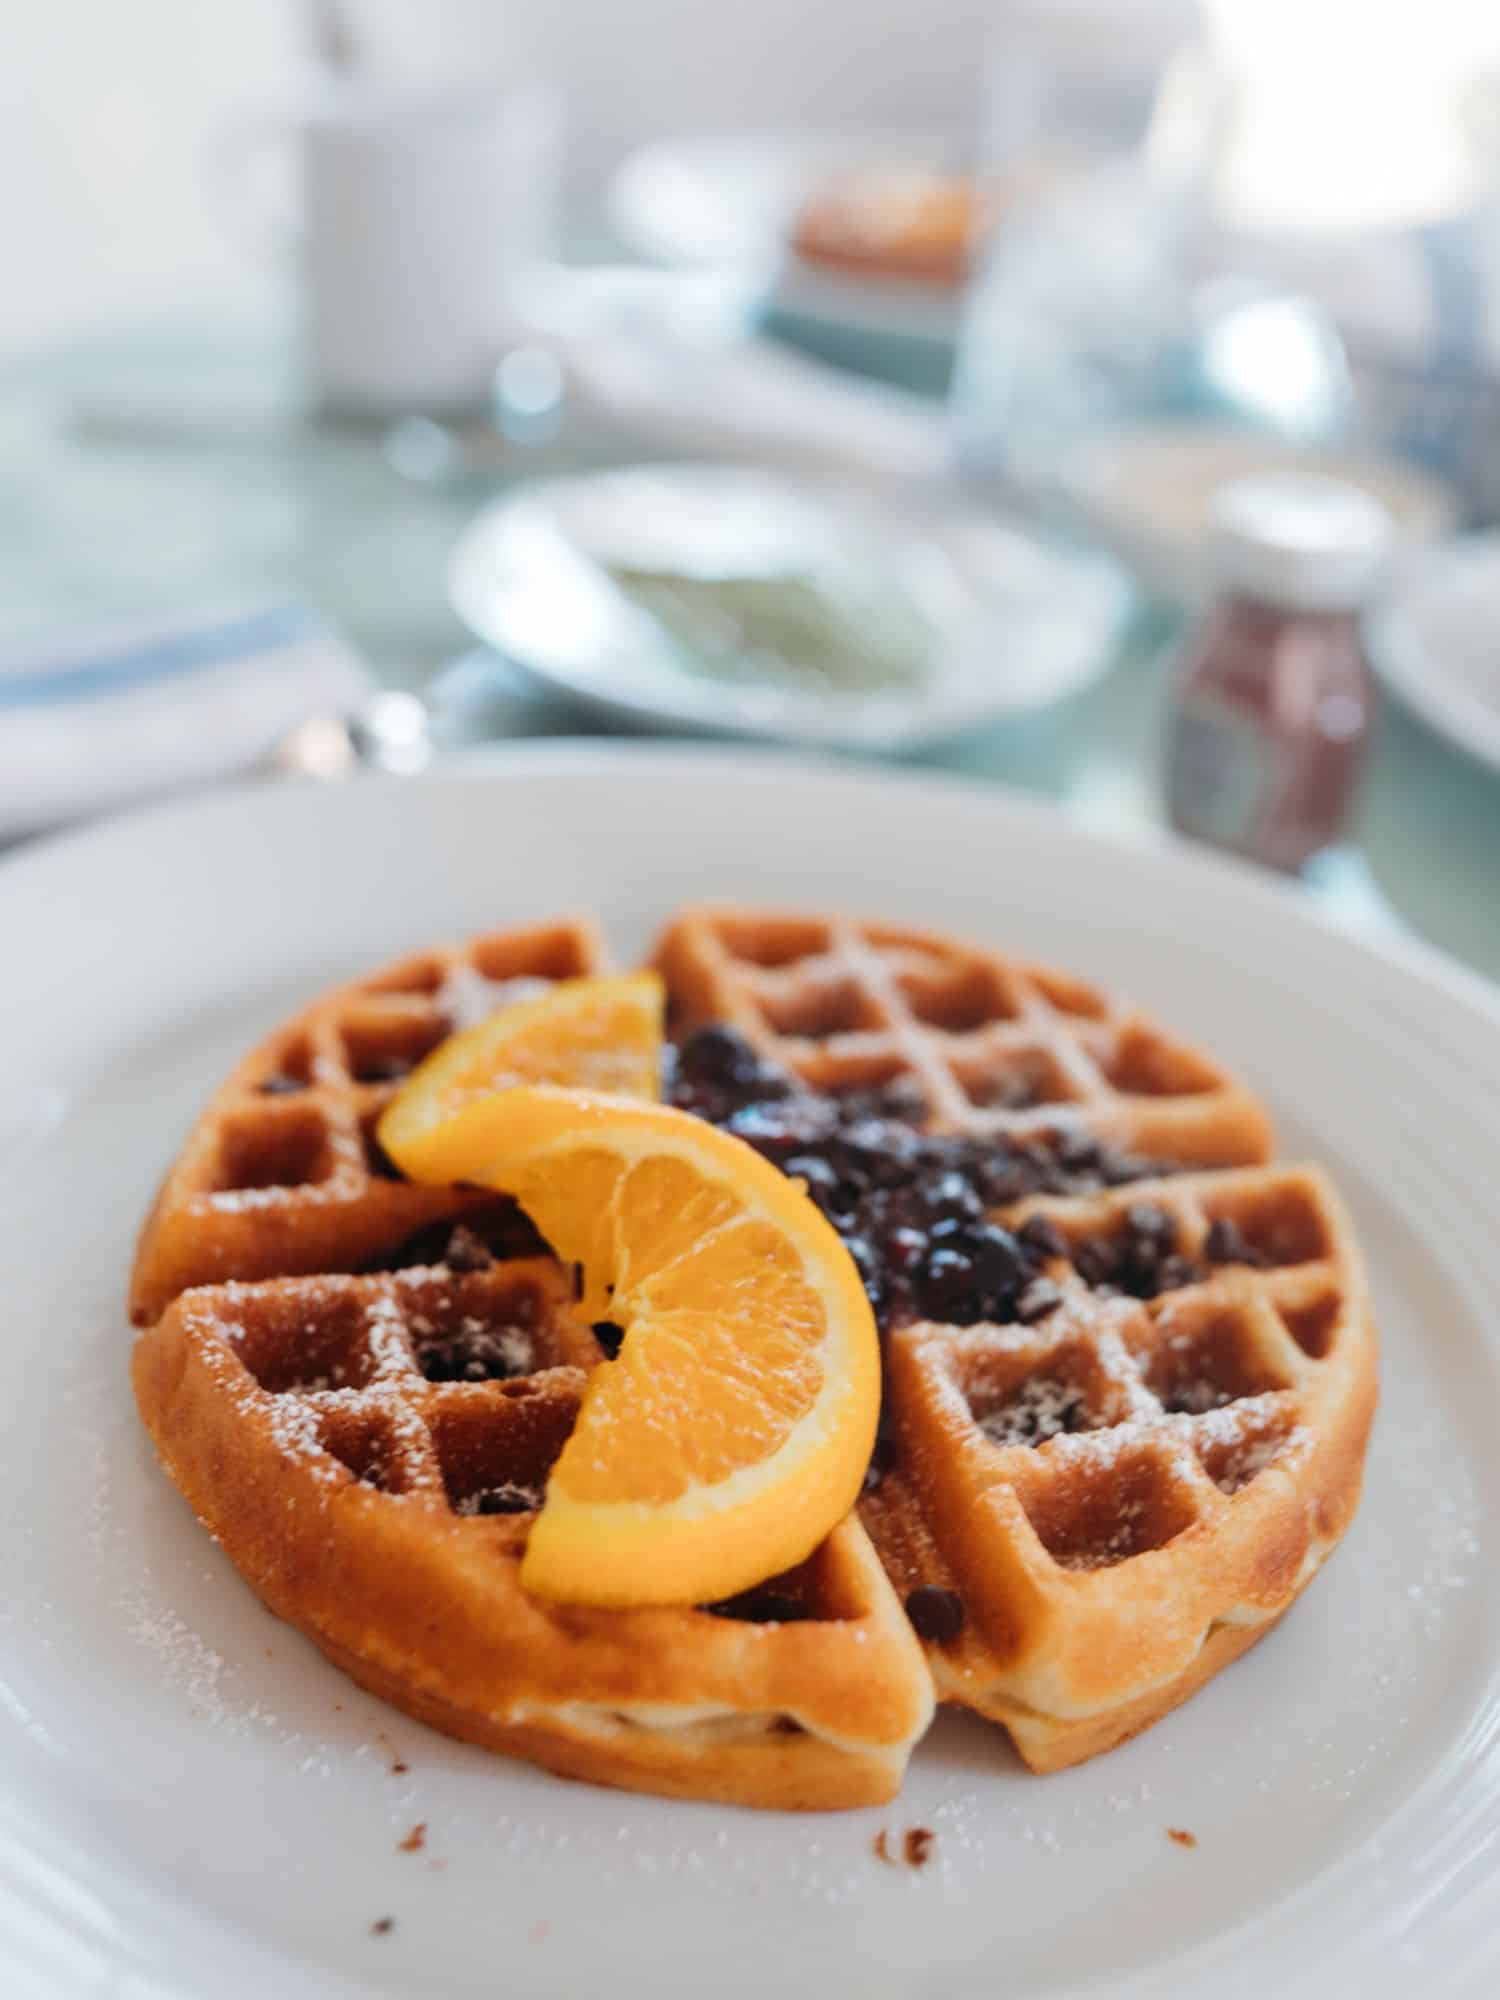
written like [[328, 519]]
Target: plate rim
[[1414, 674], [1401, 949]]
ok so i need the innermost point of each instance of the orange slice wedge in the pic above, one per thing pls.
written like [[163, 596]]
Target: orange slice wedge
[[732, 1431], [593, 1034]]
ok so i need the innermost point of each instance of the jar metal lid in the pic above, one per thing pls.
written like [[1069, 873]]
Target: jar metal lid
[[1300, 542]]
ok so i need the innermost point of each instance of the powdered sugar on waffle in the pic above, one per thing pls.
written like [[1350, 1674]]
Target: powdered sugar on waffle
[[1041, 1408], [468, 998], [385, 1331], [516, 1346]]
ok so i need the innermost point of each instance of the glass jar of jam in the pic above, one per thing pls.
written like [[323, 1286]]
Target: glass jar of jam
[[1273, 695]]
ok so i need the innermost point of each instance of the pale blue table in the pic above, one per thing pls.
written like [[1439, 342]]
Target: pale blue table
[[98, 518]]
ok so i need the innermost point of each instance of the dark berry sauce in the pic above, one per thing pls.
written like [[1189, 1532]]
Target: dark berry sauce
[[912, 1207]]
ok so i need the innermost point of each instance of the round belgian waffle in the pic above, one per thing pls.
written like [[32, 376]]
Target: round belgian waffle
[[1088, 1514]]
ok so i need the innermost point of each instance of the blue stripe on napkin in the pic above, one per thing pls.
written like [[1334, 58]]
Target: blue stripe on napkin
[[157, 658]]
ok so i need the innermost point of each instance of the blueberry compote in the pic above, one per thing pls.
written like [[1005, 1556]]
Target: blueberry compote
[[911, 1206]]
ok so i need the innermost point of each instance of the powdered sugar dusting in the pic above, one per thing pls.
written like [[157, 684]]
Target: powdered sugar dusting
[[1039, 1409], [385, 1331], [294, 1431], [468, 998], [236, 1201], [185, 1659]]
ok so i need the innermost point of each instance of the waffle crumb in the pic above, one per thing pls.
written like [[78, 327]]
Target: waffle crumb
[[915, 1850], [415, 1840], [1182, 1837]]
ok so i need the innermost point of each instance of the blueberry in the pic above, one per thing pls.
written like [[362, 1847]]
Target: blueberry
[[717, 1054], [1095, 1263], [951, 1194], [904, 1250], [949, 1266], [777, 1130], [948, 1287], [1001, 1181], [936, 1615], [1152, 1224], [996, 1256], [1041, 1234]]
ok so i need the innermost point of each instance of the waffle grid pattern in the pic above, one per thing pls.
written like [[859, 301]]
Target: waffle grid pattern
[[386, 1514], [283, 1174], [1196, 1452], [1191, 1456], [353, 1375], [993, 1044]]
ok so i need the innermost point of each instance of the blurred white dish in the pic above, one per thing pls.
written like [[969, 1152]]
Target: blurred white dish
[[734, 200], [1147, 492], [572, 577], [1436, 642]]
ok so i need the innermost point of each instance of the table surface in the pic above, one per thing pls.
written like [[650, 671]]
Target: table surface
[[172, 470]]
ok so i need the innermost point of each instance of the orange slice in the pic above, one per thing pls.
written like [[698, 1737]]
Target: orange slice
[[594, 1034], [732, 1431]]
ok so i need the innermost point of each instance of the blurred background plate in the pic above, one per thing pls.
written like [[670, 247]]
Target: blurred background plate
[[1436, 643], [757, 603]]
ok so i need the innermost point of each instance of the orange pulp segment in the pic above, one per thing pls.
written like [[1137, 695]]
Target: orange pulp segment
[[594, 1034]]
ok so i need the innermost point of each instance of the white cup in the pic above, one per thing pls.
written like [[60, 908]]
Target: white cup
[[416, 207]]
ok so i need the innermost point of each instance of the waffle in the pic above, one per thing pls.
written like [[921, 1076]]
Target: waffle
[[989, 1044], [1091, 1515], [1085, 1516], [283, 1174]]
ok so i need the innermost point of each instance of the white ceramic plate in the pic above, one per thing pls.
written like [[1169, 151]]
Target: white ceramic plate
[[192, 1802], [1437, 643], [731, 201], [1023, 624]]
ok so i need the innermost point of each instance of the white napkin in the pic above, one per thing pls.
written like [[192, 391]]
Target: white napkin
[[102, 717], [662, 358], [750, 398]]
